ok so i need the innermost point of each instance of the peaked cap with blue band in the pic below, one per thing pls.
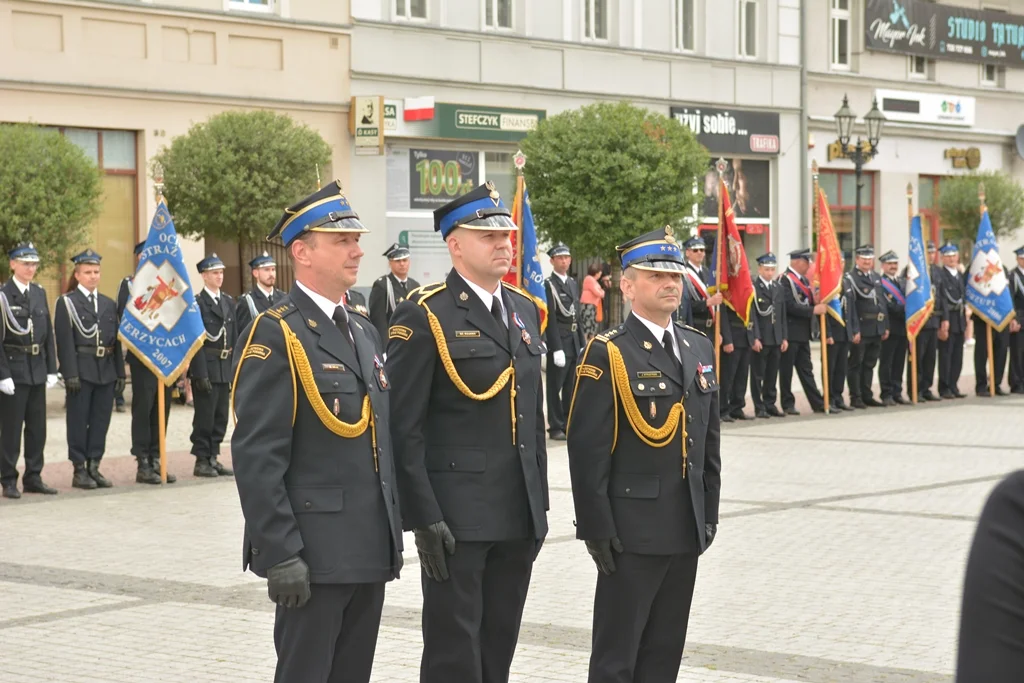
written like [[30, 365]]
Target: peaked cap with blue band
[[211, 262], [767, 259], [865, 251], [804, 254], [949, 248], [1019, 251], [396, 252], [326, 210], [655, 250], [262, 261], [87, 257], [889, 257], [559, 249], [695, 242], [24, 251], [481, 209]]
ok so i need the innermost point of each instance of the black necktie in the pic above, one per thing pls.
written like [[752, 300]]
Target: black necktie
[[496, 312], [92, 302], [340, 318], [667, 342]]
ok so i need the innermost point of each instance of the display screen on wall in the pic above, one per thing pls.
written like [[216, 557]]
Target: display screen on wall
[[929, 29], [436, 177], [749, 183]]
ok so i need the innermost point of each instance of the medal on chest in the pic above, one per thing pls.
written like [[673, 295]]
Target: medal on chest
[[522, 327], [382, 378]]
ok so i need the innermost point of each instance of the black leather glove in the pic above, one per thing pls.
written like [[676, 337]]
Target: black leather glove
[[432, 543], [601, 552], [288, 582], [73, 385], [709, 532], [119, 385], [202, 385]]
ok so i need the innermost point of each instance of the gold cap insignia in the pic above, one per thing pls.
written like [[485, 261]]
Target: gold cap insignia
[[311, 322], [494, 191], [668, 235], [463, 297], [648, 345]]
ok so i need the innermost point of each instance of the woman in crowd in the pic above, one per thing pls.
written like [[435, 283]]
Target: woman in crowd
[[591, 302]]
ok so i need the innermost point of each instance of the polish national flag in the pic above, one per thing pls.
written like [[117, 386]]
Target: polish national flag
[[419, 108]]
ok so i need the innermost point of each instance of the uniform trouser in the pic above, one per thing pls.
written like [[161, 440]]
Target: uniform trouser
[[88, 418], [560, 384], [798, 355], [890, 366], [640, 617], [927, 342], [999, 353], [210, 421], [27, 407], [838, 362], [764, 373], [471, 621], [735, 367], [145, 416], [863, 358], [1017, 360], [332, 638], [951, 360]]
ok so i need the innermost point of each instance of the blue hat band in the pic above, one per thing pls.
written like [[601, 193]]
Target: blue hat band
[[25, 254], [652, 251], [318, 214], [471, 211], [262, 263], [949, 249]]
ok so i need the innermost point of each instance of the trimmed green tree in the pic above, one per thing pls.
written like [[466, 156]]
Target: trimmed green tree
[[231, 176], [601, 175], [960, 210], [50, 192]]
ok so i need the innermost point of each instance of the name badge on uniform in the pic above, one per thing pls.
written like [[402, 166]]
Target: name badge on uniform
[[522, 327], [467, 334], [382, 379]]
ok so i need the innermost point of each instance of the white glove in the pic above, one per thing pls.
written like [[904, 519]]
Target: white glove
[[7, 386], [51, 381], [559, 358]]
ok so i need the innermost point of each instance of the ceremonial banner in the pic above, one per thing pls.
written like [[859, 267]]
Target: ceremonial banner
[[920, 299], [531, 278], [162, 324], [829, 272], [988, 291], [731, 273]]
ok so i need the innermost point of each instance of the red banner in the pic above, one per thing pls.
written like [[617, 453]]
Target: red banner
[[829, 264], [733, 272]]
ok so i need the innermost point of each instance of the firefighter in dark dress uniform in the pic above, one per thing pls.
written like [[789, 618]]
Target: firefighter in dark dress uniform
[[695, 278], [263, 295], [801, 313], [953, 327], [564, 338], [392, 289], [927, 340], [28, 367], [312, 454], [1016, 334], [464, 356], [874, 328], [85, 327], [210, 370], [893, 357], [770, 309], [646, 468], [841, 337]]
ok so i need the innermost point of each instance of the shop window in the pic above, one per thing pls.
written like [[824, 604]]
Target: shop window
[[841, 191], [87, 140], [410, 9], [498, 14], [919, 68], [685, 18], [841, 34], [595, 19], [928, 188], [251, 5], [748, 10], [992, 75], [118, 150]]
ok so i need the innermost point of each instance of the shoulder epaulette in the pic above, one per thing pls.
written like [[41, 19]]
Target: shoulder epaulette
[[692, 329], [424, 292], [381, 278], [350, 309], [517, 290], [281, 310], [605, 336]]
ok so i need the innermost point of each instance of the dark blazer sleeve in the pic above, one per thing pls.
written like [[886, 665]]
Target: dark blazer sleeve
[[243, 316], [591, 425], [713, 455], [379, 306], [65, 337], [49, 341], [852, 315], [780, 303], [198, 369], [261, 446], [118, 351], [551, 335], [123, 294], [410, 365], [5, 367], [793, 307], [725, 325], [542, 436]]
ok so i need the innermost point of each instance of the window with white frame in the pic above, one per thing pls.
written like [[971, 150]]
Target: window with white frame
[[251, 5], [841, 34], [748, 28], [918, 67], [595, 19], [410, 9], [683, 25], [990, 74], [498, 14]]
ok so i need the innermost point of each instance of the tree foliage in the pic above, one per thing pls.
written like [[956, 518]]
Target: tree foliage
[[601, 175], [959, 208], [50, 192], [231, 176]]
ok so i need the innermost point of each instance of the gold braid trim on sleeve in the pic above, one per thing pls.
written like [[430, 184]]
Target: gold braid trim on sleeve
[[302, 369], [655, 438]]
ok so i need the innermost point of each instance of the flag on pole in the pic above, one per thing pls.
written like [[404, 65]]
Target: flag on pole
[[920, 299], [162, 324], [988, 291], [531, 278], [829, 266], [736, 285]]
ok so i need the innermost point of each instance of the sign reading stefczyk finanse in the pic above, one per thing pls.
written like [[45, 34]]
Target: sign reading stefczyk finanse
[[463, 122]]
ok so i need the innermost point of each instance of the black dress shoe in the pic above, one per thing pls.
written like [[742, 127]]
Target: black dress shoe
[[846, 406], [728, 418], [947, 395], [858, 404], [1017, 390], [762, 413], [38, 486], [898, 398], [155, 464], [740, 416], [11, 491], [820, 411], [957, 394], [888, 401], [792, 411], [221, 470], [119, 407], [872, 402], [557, 436], [145, 473], [929, 396], [93, 468], [775, 412], [203, 468], [81, 479]]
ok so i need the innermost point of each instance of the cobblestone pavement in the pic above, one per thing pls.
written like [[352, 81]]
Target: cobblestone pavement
[[839, 558]]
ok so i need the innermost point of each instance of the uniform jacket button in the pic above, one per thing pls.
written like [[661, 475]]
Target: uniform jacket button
[[335, 384], [627, 489], [520, 417], [689, 442], [255, 551], [451, 465], [308, 505], [686, 394], [689, 417], [384, 484]]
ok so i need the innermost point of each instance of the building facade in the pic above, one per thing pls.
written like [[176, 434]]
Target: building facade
[[122, 80]]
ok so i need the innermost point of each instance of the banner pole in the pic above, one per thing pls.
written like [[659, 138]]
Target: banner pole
[[912, 340], [718, 278], [816, 229], [162, 428], [988, 326], [520, 186]]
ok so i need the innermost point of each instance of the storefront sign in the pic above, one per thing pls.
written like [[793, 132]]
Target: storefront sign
[[463, 122], [964, 158], [364, 122], [919, 27], [436, 177], [835, 150], [923, 107], [749, 183], [731, 131]]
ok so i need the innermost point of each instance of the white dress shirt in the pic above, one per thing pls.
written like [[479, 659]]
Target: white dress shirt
[[953, 271], [659, 333], [322, 302], [267, 292], [213, 295], [488, 297], [767, 283], [22, 286], [563, 278], [86, 293]]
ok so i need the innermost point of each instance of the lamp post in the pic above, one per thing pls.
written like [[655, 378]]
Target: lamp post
[[858, 153]]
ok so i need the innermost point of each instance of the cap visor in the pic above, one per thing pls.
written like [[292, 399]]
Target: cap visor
[[494, 222], [344, 225], [671, 266]]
